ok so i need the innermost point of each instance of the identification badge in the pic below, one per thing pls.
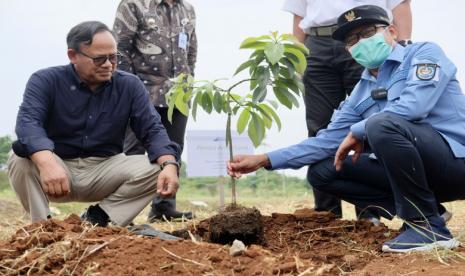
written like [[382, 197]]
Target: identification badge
[[182, 41]]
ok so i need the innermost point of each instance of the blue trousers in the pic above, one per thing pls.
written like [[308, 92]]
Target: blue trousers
[[412, 172]]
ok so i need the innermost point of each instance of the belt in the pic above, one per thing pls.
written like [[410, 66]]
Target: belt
[[321, 31]]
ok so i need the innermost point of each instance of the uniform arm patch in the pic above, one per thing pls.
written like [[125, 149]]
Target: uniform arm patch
[[426, 71]]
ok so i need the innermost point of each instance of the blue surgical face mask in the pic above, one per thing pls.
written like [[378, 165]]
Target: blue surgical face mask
[[371, 52]]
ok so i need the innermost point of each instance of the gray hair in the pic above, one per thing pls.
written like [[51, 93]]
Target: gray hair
[[84, 32]]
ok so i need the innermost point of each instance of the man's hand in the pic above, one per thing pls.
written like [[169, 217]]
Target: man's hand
[[168, 181], [246, 163], [53, 177], [349, 143]]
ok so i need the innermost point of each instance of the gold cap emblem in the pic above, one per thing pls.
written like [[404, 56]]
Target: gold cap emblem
[[350, 16]]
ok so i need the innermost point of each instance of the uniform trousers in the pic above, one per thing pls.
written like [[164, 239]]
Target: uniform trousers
[[122, 184], [412, 170]]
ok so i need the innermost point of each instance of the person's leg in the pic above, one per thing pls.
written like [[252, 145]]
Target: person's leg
[[176, 132], [25, 180], [422, 171], [324, 90], [124, 185], [363, 184]]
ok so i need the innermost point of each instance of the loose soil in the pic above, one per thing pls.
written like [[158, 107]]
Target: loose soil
[[303, 243]]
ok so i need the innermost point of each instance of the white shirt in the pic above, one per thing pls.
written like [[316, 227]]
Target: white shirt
[[317, 13]]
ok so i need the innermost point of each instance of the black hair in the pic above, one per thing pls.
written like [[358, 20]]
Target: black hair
[[84, 32]]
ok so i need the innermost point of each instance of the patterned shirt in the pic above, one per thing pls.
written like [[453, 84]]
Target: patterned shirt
[[157, 41]]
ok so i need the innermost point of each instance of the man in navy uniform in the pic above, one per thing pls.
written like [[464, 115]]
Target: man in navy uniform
[[404, 122]]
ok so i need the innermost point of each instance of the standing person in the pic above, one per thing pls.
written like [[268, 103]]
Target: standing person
[[405, 123], [331, 72], [71, 126], [158, 42]]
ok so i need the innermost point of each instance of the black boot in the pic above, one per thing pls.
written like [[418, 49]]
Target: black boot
[[95, 216], [163, 210]]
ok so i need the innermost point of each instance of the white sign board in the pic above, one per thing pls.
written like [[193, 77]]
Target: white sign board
[[207, 153]]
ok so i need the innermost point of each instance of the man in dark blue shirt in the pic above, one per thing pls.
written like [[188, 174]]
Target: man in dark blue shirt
[[71, 126]]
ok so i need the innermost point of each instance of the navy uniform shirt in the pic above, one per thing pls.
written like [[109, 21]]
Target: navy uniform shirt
[[61, 114], [421, 87]]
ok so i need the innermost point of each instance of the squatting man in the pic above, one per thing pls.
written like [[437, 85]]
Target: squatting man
[[71, 126], [405, 121]]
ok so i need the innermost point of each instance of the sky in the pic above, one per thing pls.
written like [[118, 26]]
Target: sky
[[33, 35]]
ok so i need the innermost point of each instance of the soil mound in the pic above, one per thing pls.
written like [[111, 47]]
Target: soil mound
[[303, 243]]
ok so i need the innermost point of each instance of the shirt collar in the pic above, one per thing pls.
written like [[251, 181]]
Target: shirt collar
[[75, 75], [79, 81]]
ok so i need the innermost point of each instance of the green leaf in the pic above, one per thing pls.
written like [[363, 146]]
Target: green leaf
[[289, 69], [181, 105], [274, 52], [207, 103], [254, 42], [272, 113], [244, 66], [259, 94], [285, 97], [298, 46], [256, 130], [218, 102], [243, 120], [275, 70], [262, 75], [197, 99], [299, 62], [267, 121], [288, 84]]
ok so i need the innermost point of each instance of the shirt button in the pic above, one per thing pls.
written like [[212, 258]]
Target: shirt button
[[90, 117]]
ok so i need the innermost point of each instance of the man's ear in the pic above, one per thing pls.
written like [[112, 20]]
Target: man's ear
[[72, 55], [394, 33]]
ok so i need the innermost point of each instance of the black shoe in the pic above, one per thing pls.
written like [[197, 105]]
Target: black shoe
[[95, 216], [169, 214]]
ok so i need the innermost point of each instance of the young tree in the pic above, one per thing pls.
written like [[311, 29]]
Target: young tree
[[275, 64]]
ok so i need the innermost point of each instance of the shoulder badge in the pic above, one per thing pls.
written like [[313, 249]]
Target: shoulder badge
[[426, 71], [350, 16]]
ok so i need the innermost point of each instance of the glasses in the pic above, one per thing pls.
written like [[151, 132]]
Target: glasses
[[365, 33], [100, 60]]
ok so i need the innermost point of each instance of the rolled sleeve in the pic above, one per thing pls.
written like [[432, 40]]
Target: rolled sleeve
[[297, 7]]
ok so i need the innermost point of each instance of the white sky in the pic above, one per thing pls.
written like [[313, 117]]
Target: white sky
[[33, 37]]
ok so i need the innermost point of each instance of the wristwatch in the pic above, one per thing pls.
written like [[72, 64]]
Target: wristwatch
[[170, 162], [405, 42]]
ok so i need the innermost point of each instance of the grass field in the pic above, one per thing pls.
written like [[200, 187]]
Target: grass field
[[270, 198]]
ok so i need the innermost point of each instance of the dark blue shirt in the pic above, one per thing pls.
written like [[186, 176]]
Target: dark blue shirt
[[61, 114]]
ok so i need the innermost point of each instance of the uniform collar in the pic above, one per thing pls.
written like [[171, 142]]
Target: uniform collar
[[397, 53]]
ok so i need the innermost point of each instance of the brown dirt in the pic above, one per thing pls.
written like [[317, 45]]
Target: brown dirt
[[306, 243]]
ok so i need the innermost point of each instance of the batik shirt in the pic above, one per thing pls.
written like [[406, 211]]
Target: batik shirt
[[157, 42]]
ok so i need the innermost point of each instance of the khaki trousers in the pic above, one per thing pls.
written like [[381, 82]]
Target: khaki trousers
[[124, 185]]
